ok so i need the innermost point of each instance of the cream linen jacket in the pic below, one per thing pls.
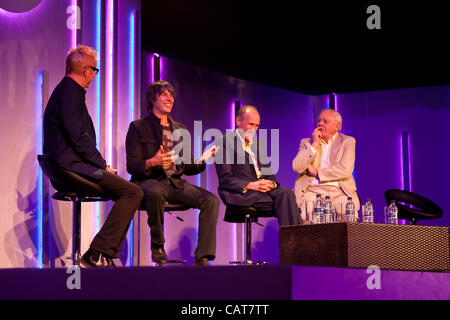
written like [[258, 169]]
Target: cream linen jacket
[[342, 160]]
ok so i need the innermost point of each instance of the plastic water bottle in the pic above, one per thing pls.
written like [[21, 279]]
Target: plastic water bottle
[[368, 212], [328, 211], [392, 213], [350, 210], [318, 210]]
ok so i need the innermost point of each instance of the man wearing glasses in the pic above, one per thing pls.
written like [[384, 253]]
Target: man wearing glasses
[[69, 140]]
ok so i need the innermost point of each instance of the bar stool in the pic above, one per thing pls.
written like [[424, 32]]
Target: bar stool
[[76, 200], [412, 206], [169, 207], [72, 187], [247, 215]]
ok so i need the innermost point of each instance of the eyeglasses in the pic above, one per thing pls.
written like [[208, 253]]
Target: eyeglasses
[[96, 70], [326, 121]]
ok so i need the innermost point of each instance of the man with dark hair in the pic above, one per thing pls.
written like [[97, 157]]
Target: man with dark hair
[[151, 163], [69, 141]]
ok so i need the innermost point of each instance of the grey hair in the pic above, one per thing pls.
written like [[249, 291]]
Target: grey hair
[[76, 57], [336, 116]]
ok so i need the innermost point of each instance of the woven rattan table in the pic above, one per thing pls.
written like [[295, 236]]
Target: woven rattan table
[[359, 245]]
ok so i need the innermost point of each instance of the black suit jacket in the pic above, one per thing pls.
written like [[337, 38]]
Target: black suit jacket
[[144, 138], [69, 135], [234, 176]]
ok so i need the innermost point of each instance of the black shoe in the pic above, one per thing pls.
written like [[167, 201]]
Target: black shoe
[[159, 255], [201, 262], [93, 258]]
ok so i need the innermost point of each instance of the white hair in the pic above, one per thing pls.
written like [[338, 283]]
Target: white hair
[[336, 116]]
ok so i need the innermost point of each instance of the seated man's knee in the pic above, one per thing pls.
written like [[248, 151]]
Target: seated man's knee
[[154, 193], [211, 201], [139, 193], [286, 191]]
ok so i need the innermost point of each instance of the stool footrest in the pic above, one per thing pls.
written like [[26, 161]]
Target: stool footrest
[[249, 262]]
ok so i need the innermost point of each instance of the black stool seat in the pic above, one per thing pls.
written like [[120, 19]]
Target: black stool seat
[[247, 215], [412, 206], [69, 196], [172, 206], [75, 188], [237, 214], [169, 207]]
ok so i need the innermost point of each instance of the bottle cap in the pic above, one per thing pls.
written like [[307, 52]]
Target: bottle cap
[[318, 195], [327, 197]]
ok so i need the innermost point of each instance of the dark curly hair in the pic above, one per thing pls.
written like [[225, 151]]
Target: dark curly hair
[[155, 88]]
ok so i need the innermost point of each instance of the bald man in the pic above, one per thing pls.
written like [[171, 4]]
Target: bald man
[[324, 164], [245, 177]]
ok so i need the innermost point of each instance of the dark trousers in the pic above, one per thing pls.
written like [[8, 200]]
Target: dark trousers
[[156, 193], [282, 201], [127, 198]]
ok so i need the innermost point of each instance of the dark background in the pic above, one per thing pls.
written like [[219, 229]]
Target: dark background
[[312, 48]]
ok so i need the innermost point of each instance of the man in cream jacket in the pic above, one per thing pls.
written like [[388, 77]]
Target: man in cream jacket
[[324, 164]]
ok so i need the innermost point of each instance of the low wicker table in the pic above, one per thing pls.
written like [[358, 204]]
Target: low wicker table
[[359, 245]]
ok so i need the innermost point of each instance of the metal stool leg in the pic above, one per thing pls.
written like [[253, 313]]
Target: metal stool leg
[[76, 245], [248, 244], [248, 239]]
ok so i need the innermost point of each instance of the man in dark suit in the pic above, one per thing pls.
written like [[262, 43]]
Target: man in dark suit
[[245, 177], [69, 140], [153, 166]]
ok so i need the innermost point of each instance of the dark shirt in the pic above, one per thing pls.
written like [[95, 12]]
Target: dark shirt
[[168, 147], [144, 139], [69, 135]]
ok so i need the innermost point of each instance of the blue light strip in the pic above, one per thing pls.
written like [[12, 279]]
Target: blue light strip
[[405, 162], [98, 47], [40, 181], [74, 30], [131, 93], [132, 72], [109, 85]]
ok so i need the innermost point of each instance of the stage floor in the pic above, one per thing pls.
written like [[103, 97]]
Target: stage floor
[[268, 282]]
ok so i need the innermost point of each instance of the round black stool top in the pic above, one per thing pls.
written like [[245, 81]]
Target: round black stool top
[[412, 206]]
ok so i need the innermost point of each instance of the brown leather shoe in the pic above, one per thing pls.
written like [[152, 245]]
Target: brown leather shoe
[[201, 262], [159, 255]]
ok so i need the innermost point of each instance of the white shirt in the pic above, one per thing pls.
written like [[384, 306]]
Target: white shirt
[[247, 149], [325, 161]]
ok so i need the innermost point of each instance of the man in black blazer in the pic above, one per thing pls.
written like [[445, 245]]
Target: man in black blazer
[[245, 177], [153, 166], [69, 140]]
